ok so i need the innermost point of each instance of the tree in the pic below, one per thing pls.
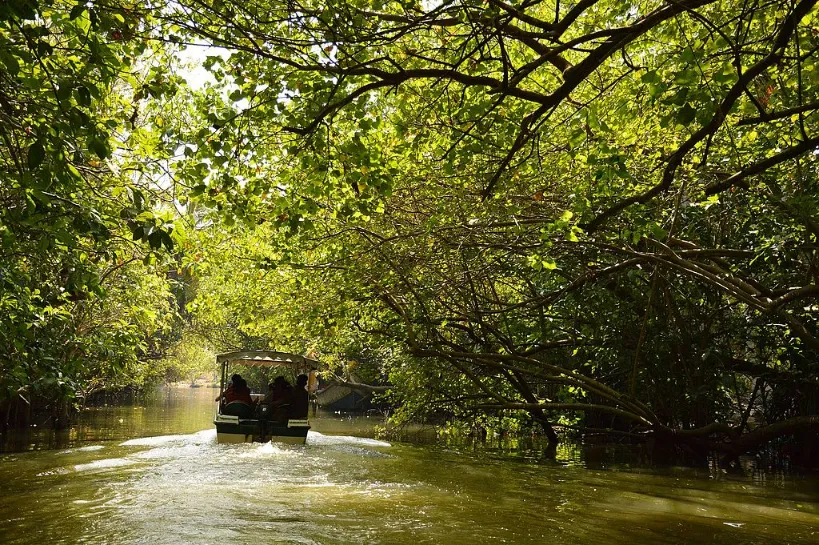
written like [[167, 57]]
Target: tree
[[599, 214], [80, 228], [601, 207]]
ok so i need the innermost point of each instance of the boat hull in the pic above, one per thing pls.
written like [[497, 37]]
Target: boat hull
[[231, 429]]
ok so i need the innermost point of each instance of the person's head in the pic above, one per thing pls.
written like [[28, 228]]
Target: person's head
[[280, 382], [301, 381], [240, 384], [236, 377]]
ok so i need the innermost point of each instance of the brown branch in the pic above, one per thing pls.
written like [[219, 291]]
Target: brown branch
[[555, 374], [710, 429], [577, 10], [794, 294], [772, 116], [520, 15], [568, 407], [360, 386], [762, 435], [757, 168], [676, 159], [579, 72]]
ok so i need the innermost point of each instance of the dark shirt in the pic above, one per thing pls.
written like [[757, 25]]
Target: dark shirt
[[278, 396], [298, 404]]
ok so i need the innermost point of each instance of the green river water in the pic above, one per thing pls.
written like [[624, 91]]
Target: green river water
[[106, 483]]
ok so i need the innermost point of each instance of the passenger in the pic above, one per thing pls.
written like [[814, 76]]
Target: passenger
[[276, 390], [299, 399], [237, 399], [240, 392], [229, 390], [280, 399]]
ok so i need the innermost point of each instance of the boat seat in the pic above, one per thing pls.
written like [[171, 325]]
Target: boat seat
[[238, 408]]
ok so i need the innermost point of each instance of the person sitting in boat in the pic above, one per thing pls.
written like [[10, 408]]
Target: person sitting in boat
[[276, 402], [229, 390], [277, 390], [237, 399], [299, 402]]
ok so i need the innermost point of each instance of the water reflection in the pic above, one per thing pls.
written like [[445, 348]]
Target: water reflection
[[179, 486], [163, 411], [157, 412]]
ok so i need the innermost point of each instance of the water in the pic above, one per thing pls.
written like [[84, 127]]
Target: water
[[179, 486]]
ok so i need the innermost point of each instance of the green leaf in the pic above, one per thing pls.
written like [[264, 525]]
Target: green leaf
[[686, 114], [650, 77], [100, 148], [44, 49], [658, 232], [63, 91], [73, 171], [83, 96], [686, 77], [166, 240], [10, 61], [78, 118], [808, 17], [155, 239], [727, 74], [138, 198], [76, 11], [36, 154]]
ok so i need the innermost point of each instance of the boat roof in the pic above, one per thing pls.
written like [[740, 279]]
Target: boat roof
[[267, 358]]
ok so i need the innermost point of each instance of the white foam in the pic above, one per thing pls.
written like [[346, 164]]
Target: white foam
[[104, 464], [266, 450], [154, 441], [204, 436], [58, 471], [270, 448], [174, 451], [316, 438], [90, 448]]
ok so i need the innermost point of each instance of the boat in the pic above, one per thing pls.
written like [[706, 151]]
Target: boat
[[251, 426]]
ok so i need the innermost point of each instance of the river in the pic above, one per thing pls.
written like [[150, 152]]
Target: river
[[105, 483]]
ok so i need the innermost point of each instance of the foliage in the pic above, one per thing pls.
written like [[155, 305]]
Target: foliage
[[599, 214], [80, 296], [189, 360], [602, 209]]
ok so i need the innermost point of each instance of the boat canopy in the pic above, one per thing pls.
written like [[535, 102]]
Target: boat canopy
[[267, 358]]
